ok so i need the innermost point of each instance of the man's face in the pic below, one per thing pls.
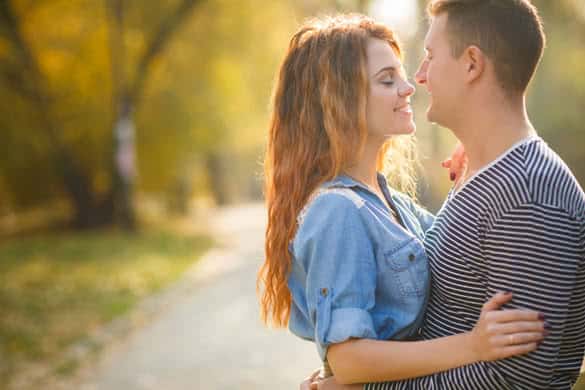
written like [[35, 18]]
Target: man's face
[[441, 73]]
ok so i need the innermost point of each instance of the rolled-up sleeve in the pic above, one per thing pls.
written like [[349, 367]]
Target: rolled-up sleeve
[[338, 255]]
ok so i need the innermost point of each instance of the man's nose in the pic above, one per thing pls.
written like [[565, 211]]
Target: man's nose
[[421, 74]]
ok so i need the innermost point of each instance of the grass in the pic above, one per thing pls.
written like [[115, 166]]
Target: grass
[[55, 289]]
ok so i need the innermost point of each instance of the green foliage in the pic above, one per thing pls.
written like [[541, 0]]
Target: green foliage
[[206, 92], [55, 289], [206, 96]]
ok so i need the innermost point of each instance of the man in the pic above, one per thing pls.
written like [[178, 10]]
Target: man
[[515, 221]]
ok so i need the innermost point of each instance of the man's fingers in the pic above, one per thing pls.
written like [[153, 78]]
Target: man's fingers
[[314, 375], [325, 383], [305, 385], [495, 302], [310, 380]]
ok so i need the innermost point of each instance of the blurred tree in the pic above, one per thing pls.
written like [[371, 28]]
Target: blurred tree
[[25, 76], [77, 87], [190, 82], [127, 96]]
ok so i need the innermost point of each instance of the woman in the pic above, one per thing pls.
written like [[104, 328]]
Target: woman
[[345, 265]]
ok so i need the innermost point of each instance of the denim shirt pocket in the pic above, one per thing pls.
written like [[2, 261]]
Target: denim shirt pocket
[[409, 267]]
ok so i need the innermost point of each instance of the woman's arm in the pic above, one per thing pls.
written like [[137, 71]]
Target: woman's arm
[[498, 334], [338, 270]]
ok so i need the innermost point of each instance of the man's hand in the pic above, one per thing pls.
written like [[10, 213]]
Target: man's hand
[[306, 384], [331, 384], [314, 382]]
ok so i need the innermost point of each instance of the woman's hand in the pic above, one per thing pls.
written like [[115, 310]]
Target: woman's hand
[[457, 163], [503, 333]]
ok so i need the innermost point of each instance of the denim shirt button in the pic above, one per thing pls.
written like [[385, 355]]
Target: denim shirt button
[[411, 257], [324, 292]]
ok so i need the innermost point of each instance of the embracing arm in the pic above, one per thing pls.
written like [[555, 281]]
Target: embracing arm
[[536, 252], [357, 361]]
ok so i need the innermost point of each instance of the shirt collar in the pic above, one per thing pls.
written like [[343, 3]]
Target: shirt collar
[[345, 181]]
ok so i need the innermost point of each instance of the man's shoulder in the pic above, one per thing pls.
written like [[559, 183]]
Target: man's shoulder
[[550, 181]]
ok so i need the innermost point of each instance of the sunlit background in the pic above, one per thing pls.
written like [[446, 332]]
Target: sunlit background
[[128, 125]]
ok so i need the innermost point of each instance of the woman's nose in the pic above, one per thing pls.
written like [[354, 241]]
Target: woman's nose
[[407, 90]]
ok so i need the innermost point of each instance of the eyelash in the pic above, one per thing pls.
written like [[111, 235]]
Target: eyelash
[[388, 83]]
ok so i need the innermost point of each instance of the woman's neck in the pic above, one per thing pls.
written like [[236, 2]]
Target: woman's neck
[[364, 170]]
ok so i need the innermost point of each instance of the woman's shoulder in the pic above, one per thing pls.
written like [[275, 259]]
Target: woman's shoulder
[[331, 202]]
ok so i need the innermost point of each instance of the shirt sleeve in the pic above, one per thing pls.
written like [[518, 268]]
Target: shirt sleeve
[[338, 256], [537, 253]]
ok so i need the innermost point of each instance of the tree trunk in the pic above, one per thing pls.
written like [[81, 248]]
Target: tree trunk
[[126, 97], [124, 167], [123, 129], [30, 83]]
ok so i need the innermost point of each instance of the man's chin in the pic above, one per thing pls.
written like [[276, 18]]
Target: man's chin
[[430, 114]]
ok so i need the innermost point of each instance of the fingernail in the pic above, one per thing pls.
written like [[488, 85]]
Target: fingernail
[[507, 292], [546, 325], [452, 176], [541, 317], [546, 332]]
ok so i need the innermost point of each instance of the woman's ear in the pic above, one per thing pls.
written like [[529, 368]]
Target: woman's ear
[[475, 61]]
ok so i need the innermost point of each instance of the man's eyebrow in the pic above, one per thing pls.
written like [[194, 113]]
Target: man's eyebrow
[[386, 69]]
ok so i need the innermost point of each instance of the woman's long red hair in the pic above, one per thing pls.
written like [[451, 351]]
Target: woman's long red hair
[[317, 129]]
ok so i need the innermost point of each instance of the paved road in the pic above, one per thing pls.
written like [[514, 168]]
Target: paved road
[[212, 339]]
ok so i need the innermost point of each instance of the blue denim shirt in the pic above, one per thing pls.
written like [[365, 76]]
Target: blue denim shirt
[[355, 272]]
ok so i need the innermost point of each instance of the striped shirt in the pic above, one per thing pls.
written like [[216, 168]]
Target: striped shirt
[[518, 225]]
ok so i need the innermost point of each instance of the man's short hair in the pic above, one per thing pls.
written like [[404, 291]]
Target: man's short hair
[[509, 32]]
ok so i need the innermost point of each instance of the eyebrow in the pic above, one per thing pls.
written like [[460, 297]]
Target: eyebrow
[[386, 69]]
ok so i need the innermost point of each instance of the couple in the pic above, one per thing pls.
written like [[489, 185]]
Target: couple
[[392, 296]]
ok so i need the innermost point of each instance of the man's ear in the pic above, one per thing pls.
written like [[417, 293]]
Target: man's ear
[[474, 61]]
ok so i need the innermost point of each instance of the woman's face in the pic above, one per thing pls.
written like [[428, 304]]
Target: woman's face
[[388, 110]]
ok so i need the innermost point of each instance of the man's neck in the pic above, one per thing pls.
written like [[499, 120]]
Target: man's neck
[[491, 132]]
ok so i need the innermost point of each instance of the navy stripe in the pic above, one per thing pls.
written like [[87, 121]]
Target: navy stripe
[[518, 225]]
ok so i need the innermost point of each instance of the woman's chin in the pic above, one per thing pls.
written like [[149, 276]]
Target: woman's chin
[[409, 129]]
